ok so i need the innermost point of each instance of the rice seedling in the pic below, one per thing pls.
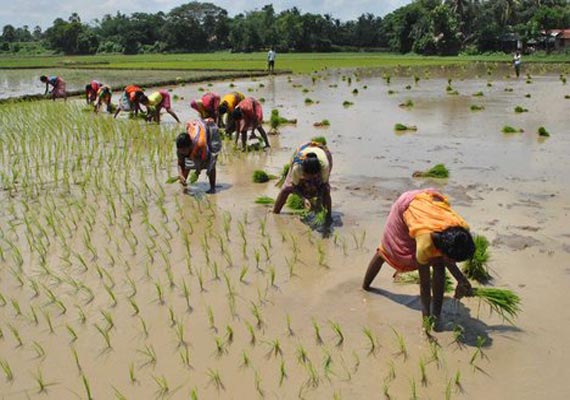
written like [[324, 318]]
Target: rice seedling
[[256, 312], [401, 127], [47, 317], [386, 390], [86, 387], [295, 202], [38, 348], [105, 335], [72, 333], [543, 132], [215, 379], [423, 375], [391, 375], [407, 104], [245, 360], [510, 129], [211, 321], [478, 94], [313, 379], [504, 302], [150, 355], [220, 346], [319, 139], [163, 388], [327, 364], [275, 348], [317, 330], [475, 107], [413, 389], [260, 176], [519, 109], [243, 273], [16, 307], [290, 330], [476, 268], [322, 124], [272, 276], [309, 101], [347, 103], [185, 356], [41, 383], [109, 319], [8, 373], [372, 341], [438, 171], [16, 335], [335, 326], [400, 341], [144, 326]]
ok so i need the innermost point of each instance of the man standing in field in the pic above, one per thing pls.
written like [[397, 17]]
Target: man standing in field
[[271, 60]]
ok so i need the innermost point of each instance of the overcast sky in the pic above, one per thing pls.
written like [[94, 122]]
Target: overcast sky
[[43, 12]]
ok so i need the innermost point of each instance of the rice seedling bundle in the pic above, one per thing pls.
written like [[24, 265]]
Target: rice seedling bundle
[[476, 267], [543, 132], [519, 109], [260, 176], [347, 103], [510, 129], [504, 302], [283, 176], [475, 107], [322, 124], [295, 202], [438, 171], [309, 101], [401, 127], [319, 139], [264, 200]]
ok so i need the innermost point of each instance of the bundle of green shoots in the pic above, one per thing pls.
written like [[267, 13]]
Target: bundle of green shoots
[[476, 267], [437, 171], [504, 302], [260, 176]]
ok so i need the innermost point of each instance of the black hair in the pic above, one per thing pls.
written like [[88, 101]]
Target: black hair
[[455, 242], [237, 114], [88, 87], [223, 108], [43, 78], [141, 98], [183, 141], [311, 164]]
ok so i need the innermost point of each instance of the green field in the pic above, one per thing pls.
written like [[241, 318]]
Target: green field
[[296, 62]]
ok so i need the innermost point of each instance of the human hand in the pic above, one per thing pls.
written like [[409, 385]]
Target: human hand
[[182, 180], [463, 289]]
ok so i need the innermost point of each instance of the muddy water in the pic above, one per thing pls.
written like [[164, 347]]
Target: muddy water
[[511, 188]]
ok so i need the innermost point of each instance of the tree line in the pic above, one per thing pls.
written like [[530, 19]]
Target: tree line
[[423, 26]]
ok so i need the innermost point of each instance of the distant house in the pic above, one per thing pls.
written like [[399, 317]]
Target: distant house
[[510, 42], [557, 39]]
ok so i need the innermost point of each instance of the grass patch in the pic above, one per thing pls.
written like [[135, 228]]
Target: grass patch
[[439, 171]]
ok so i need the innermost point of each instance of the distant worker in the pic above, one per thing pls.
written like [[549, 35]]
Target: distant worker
[[248, 114], [58, 86], [227, 106], [198, 149], [155, 102], [271, 60], [91, 90], [422, 231], [130, 100], [308, 177], [103, 96], [207, 106], [517, 63]]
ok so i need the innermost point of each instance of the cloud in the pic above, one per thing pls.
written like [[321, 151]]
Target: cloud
[[44, 12]]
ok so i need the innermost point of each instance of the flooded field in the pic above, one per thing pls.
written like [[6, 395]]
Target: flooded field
[[20, 82], [114, 284]]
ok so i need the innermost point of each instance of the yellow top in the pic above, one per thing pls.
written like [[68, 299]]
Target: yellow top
[[154, 99], [297, 169], [232, 100]]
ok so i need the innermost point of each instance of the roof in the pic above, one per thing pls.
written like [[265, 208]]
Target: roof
[[559, 33]]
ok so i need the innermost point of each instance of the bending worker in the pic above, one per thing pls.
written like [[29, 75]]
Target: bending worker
[[91, 90], [248, 114], [227, 106], [422, 231], [155, 102], [130, 100], [308, 177], [198, 149], [58, 86], [207, 106]]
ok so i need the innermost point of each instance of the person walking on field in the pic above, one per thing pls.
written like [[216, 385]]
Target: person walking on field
[[422, 231], [517, 63], [103, 96], [207, 106], [271, 60], [198, 149], [248, 114], [308, 177], [227, 106], [155, 102], [58, 86], [91, 90], [130, 100]]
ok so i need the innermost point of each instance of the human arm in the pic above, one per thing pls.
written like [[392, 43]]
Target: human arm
[[282, 198], [182, 171], [47, 88], [464, 287]]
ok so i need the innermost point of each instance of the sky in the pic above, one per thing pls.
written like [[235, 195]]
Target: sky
[[43, 12]]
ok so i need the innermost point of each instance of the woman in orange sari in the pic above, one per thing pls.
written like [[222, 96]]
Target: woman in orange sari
[[422, 231]]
